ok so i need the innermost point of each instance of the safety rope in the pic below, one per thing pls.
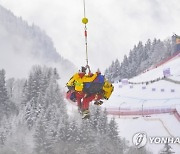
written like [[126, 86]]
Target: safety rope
[[85, 34], [85, 21], [84, 8]]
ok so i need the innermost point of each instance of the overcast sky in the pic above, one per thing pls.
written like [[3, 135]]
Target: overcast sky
[[114, 27]]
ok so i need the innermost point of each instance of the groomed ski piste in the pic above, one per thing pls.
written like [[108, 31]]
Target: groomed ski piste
[[153, 108]]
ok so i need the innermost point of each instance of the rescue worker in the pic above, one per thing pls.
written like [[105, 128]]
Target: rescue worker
[[76, 84], [79, 78]]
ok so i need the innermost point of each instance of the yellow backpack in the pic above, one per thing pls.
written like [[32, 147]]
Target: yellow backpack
[[108, 89]]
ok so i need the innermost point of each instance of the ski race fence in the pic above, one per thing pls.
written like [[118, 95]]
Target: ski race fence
[[143, 111], [118, 111]]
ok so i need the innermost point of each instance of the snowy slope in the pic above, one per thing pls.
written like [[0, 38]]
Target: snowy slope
[[158, 72], [158, 95], [141, 93]]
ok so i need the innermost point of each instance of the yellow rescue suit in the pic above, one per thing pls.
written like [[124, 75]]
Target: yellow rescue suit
[[77, 81]]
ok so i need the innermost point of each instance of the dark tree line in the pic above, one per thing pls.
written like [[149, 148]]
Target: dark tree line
[[141, 58], [7, 107]]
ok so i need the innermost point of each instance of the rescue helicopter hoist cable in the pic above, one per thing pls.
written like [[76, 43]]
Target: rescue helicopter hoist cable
[[85, 21]]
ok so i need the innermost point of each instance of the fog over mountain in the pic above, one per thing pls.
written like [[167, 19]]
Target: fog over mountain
[[23, 45]]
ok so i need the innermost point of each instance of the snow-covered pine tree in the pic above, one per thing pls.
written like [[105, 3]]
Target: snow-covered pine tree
[[7, 107], [53, 118], [10, 87], [135, 150], [46, 131], [40, 136], [147, 53], [95, 117], [69, 138], [158, 51], [108, 73], [112, 130], [112, 71], [131, 63], [173, 39], [35, 91], [103, 123], [116, 70], [3, 89], [15, 90], [141, 57], [168, 47], [113, 134], [102, 139], [5, 130], [124, 67], [87, 136]]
